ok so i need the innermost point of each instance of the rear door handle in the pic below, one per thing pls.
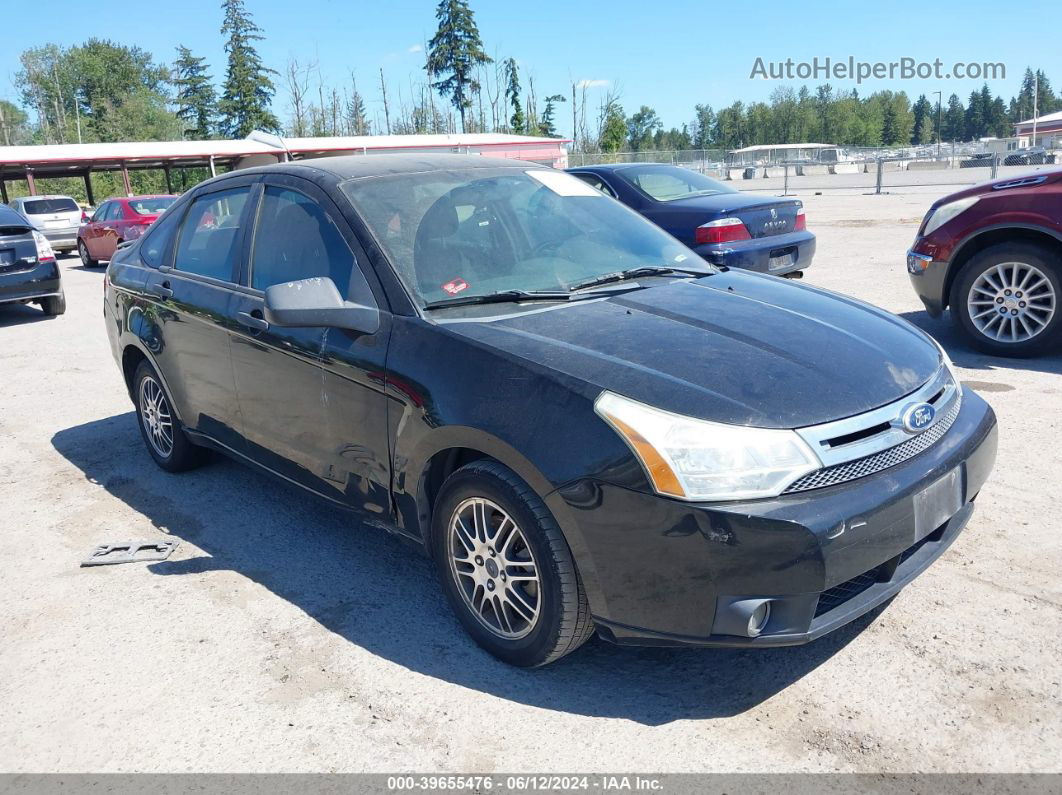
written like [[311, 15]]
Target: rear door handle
[[248, 319], [161, 290]]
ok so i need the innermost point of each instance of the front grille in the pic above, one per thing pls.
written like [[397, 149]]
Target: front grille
[[862, 467], [839, 594]]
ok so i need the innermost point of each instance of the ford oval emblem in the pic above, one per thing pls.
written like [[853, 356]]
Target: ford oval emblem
[[917, 417]]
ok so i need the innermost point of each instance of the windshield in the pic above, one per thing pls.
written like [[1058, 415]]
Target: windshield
[[667, 183], [44, 206], [478, 231], [151, 206]]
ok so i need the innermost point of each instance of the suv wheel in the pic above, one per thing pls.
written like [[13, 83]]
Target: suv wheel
[[86, 258], [1005, 300], [165, 439], [506, 568]]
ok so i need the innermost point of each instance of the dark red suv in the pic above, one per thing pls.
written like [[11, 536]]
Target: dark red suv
[[993, 254]]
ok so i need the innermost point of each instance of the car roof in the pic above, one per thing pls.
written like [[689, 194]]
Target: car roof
[[44, 196], [11, 216], [617, 166], [356, 166]]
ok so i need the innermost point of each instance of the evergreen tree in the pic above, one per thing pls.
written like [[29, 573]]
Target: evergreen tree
[[612, 124], [953, 123], [922, 131], [703, 127], [454, 53], [547, 127], [196, 98], [248, 90], [512, 96], [975, 117], [357, 120]]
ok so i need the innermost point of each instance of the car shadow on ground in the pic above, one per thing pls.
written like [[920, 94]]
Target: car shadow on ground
[[376, 591], [965, 355], [17, 314]]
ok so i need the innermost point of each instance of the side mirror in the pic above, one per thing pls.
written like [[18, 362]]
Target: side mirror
[[317, 302]]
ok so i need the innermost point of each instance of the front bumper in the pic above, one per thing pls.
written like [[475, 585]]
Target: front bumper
[[928, 277], [757, 254], [37, 281], [660, 571]]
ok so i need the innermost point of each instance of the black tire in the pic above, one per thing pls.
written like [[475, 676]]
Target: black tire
[[563, 623], [86, 260], [54, 305], [182, 454], [1044, 260]]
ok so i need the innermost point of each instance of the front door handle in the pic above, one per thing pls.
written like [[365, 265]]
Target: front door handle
[[250, 320], [162, 291]]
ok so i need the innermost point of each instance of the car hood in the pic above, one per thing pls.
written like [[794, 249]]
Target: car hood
[[733, 347]]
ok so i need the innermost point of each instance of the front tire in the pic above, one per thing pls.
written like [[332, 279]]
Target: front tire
[[86, 258], [506, 569], [165, 438], [1006, 299]]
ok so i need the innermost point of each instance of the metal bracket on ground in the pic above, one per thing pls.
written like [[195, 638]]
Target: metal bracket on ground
[[129, 552]]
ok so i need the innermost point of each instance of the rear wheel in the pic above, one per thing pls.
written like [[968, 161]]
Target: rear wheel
[[1006, 299], [506, 568], [86, 258], [165, 439], [54, 304]]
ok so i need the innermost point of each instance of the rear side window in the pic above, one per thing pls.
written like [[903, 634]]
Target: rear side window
[[207, 243], [155, 246], [296, 239], [594, 181], [44, 206], [151, 206]]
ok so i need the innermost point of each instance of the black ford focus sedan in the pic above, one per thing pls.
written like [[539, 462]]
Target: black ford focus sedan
[[585, 425]]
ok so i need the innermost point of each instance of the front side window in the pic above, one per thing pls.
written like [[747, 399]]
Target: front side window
[[476, 231], [296, 239], [668, 183], [207, 243]]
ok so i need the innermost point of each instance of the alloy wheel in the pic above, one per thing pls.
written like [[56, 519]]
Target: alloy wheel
[[156, 416], [1011, 302], [494, 568]]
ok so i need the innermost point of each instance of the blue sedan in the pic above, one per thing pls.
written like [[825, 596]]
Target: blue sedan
[[723, 225]]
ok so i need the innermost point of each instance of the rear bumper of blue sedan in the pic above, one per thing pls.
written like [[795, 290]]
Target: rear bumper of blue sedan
[[777, 254]]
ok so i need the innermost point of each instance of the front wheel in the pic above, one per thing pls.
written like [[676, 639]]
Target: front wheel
[[506, 568], [165, 439], [1005, 299]]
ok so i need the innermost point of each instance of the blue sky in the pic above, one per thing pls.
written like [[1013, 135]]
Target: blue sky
[[670, 54]]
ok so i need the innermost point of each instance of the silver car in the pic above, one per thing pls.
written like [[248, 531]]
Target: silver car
[[55, 217]]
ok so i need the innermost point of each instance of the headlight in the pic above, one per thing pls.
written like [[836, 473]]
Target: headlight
[[699, 460], [946, 212], [950, 365]]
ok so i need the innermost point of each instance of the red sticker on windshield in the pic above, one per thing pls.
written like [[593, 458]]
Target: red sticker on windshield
[[456, 286]]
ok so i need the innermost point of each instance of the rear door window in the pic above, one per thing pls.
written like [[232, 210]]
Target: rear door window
[[207, 244], [594, 181], [296, 239]]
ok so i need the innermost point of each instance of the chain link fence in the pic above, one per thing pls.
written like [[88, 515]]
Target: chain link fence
[[816, 168]]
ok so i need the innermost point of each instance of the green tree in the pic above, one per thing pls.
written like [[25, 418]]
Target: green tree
[[512, 96], [640, 128], [953, 123], [703, 127], [14, 125], [454, 53], [547, 127], [357, 120], [196, 99], [922, 129], [612, 125], [248, 90]]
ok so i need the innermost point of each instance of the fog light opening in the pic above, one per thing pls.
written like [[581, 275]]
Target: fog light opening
[[758, 619]]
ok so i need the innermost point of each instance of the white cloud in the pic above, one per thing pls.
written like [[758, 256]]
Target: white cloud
[[415, 48], [591, 83]]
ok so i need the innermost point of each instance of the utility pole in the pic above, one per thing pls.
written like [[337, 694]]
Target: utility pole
[[1036, 97], [938, 123]]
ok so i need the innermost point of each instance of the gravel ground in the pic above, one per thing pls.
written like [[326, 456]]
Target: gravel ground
[[280, 636]]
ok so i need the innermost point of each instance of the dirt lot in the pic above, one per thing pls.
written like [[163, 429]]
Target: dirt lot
[[280, 636]]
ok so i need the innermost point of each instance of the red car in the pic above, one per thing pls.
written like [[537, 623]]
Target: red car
[[993, 254], [116, 221]]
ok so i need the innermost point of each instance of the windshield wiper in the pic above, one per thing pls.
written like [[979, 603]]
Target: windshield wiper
[[636, 273], [506, 296]]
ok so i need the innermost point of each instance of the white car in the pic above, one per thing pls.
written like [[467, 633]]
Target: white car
[[55, 217]]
